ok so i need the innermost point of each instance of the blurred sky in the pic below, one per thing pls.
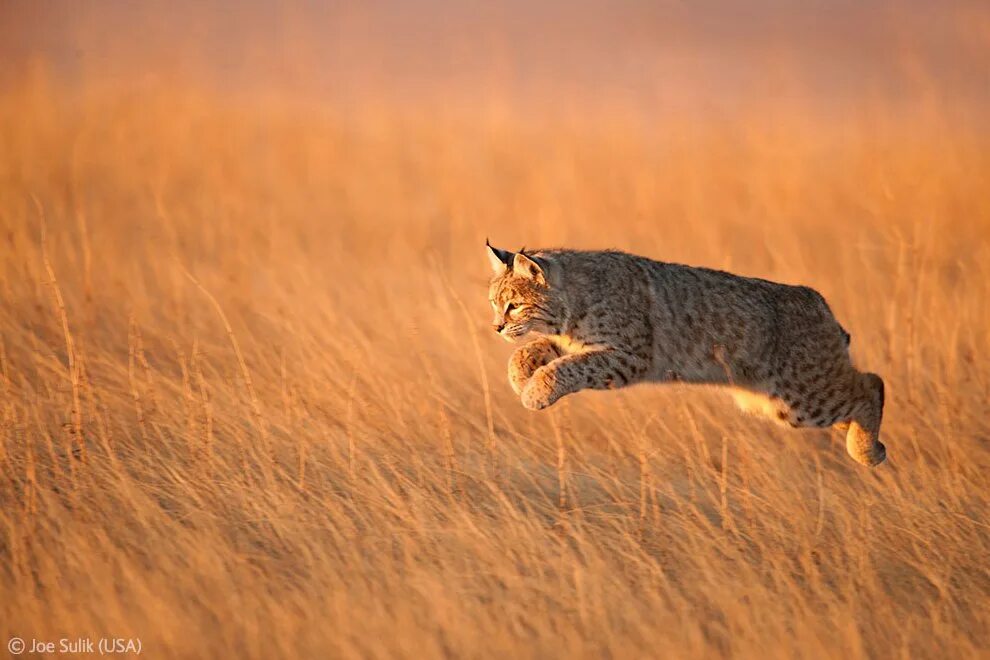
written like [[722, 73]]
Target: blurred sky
[[708, 56]]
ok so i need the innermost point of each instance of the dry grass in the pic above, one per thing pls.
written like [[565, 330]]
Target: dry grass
[[250, 406]]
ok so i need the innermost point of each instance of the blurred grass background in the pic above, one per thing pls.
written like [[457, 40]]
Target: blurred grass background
[[250, 404]]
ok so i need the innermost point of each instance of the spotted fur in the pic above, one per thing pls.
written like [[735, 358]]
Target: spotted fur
[[609, 319]]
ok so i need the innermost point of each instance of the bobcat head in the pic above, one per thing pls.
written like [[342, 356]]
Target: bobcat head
[[524, 294]]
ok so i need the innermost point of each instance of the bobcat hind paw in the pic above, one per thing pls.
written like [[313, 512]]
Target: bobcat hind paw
[[871, 457]]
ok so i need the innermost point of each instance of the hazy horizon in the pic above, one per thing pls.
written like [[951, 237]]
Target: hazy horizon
[[713, 58]]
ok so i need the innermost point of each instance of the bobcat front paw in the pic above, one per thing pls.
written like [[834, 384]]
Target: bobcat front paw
[[526, 360], [540, 391], [518, 379]]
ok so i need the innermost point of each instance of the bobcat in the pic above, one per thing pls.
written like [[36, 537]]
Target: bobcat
[[610, 319]]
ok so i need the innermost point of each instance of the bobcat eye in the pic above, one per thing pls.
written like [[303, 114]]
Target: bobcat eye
[[509, 308]]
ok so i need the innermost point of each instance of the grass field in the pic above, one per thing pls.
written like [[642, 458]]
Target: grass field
[[250, 403]]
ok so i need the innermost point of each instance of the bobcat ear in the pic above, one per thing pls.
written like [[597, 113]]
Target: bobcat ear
[[501, 260], [526, 267]]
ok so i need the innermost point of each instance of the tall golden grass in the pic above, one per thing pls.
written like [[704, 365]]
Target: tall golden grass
[[250, 405]]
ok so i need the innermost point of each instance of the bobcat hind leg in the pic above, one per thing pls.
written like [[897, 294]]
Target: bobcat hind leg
[[863, 436]]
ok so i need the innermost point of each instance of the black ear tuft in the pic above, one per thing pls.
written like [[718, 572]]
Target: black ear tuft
[[501, 260]]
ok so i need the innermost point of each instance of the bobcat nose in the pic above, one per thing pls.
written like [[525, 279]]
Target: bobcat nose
[[498, 326]]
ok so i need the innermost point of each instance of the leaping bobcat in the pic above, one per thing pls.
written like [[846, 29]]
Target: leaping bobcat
[[610, 319]]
